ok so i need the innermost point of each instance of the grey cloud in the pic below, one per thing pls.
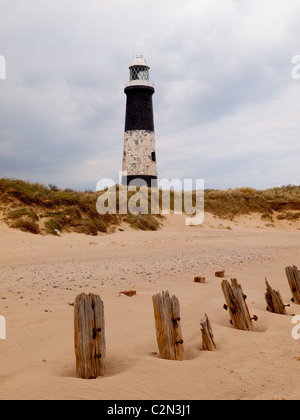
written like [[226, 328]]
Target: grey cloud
[[221, 73]]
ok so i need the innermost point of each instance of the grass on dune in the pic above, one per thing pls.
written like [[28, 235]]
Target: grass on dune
[[39, 209], [36, 208]]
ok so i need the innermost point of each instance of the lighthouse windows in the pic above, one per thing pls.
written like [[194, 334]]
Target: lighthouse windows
[[139, 73], [153, 157]]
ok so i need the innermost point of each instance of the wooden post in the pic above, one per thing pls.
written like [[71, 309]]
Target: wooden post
[[208, 343], [293, 276], [128, 293], [220, 273], [236, 304], [90, 346], [167, 324], [274, 301], [199, 279]]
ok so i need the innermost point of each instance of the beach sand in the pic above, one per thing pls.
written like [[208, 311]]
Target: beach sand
[[40, 276]]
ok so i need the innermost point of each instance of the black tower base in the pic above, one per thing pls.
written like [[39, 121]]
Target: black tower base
[[140, 180]]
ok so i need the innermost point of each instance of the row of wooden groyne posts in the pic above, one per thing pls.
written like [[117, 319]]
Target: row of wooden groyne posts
[[89, 325]]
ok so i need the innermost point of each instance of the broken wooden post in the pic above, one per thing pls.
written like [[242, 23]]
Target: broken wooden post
[[220, 273], [167, 324], [293, 276], [208, 343], [128, 293], [236, 304], [274, 301], [90, 346], [199, 279]]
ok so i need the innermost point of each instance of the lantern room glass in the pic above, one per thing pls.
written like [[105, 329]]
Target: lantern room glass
[[139, 73]]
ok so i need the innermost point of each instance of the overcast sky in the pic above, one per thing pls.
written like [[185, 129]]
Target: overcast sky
[[226, 107]]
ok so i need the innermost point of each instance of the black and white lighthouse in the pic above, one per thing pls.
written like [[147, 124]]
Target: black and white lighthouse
[[139, 155]]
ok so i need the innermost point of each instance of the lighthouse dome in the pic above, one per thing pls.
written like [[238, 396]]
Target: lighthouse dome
[[139, 61]]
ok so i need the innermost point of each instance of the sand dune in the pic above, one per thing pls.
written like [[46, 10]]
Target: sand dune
[[41, 275]]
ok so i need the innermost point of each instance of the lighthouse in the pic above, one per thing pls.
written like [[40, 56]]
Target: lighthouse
[[139, 154]]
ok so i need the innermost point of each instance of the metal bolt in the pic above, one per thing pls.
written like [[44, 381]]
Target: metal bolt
[[95, 331]]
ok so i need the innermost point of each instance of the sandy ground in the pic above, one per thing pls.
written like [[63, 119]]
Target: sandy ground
[[41, 275]]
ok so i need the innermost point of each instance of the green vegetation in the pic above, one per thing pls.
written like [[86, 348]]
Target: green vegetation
[[18, 213], [267, 217], [232, 203], [36, 208], [143, 221], [289, 216], [26, 226], [52, 226]]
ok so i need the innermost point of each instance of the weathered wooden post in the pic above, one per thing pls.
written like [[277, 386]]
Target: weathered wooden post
[[293, 276], [199, 279], [89, 336], [274, 301], [220, 273], [208, 343], [167, 324], [236, 304]]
